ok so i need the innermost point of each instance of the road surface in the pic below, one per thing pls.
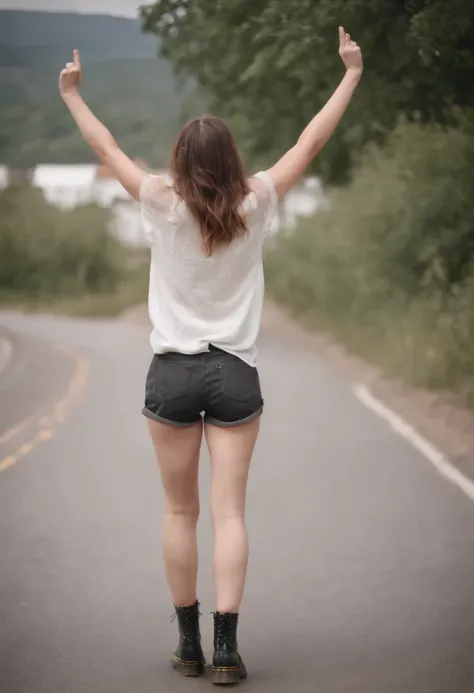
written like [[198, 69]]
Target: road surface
[[362, 557]]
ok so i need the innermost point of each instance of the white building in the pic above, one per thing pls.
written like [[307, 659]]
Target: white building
[[303, 201], [4, 177], [65, 185], [127, 224]]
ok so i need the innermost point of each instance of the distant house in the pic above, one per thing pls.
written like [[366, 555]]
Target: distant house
[[4, 177], [65, 185], [303, 200], [127, 221]]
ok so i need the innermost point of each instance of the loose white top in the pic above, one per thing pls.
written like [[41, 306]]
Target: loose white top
[[194, 300]]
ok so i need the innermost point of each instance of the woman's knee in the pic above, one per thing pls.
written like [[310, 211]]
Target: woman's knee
[[184, 511]]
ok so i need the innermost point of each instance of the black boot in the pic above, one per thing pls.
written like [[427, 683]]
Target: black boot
[[227, 665], [188, 658]]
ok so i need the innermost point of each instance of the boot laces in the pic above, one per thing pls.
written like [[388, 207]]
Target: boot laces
[[189, 628], [187, 616], [224, 635]]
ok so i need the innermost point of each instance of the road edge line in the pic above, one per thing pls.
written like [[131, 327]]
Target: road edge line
[[439, 461]]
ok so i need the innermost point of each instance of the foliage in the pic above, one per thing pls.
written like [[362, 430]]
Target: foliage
[[131, 292], [390, 267], [47, 252], [270, 65]]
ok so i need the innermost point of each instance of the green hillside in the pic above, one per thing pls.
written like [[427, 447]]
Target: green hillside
[[134, 91], [44, 39]]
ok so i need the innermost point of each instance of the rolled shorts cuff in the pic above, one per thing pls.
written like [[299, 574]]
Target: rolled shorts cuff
[[177, 424], [233, 424]]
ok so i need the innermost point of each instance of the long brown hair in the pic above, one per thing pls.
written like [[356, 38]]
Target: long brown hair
[[209, 176]]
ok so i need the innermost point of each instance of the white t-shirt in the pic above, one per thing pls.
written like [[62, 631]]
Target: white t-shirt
[[195, 300]]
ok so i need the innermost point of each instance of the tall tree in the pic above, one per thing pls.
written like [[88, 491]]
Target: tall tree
[[269, 65]]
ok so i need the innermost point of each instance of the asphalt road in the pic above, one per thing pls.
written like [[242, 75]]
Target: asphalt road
[[362, 557]]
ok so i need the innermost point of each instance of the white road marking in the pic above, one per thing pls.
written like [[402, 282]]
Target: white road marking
[[6, 351], [435, 456]]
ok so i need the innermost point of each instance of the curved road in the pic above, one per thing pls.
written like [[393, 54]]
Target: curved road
[[362, 567]]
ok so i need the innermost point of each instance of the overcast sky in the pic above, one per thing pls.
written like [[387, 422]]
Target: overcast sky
[[125, 8]]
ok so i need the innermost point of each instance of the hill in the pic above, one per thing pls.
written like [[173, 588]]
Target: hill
[[125, 83], [44, 40]]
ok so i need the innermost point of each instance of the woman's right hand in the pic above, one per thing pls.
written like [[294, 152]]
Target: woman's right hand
[[350, 52], [70, 77]]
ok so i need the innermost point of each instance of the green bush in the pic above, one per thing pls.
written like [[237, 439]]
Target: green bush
[[389, 268], [47, 253]]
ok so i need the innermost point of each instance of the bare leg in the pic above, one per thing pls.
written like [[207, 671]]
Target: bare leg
[[177, 451], [230, 451]]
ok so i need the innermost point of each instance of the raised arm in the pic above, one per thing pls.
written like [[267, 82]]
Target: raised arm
[[287, 171], [95, 134]]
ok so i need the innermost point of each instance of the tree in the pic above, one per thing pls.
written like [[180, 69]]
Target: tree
[[443, 31], [269, 65]]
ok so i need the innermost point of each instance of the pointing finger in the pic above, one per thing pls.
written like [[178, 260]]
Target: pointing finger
[[342, 35], [77, 59]]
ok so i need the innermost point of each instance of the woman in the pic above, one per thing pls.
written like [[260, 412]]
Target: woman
[[206, 225]]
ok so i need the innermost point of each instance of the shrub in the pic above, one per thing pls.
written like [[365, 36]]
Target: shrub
[[389, 268], [49, 253]]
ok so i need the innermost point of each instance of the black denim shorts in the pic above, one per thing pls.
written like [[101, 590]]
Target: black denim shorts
[[183, 389]]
